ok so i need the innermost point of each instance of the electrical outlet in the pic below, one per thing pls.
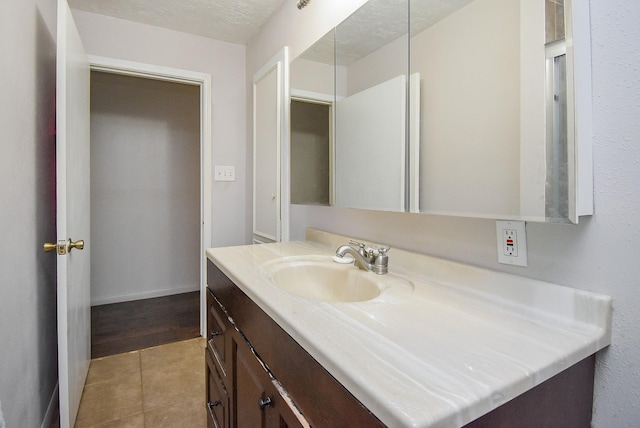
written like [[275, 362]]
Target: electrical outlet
[[224, 173], [512, 242]]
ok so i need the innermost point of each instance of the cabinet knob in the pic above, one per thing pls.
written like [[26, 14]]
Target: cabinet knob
[[214, 334], [212, 404], [264, 402]]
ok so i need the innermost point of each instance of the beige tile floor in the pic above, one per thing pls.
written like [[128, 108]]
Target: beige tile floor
[[158, 387]]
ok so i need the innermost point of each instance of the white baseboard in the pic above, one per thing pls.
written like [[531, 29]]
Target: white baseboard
[[51, 409], [144, 295]]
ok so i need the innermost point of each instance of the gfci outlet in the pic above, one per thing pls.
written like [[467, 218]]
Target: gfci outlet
[[512, 242]]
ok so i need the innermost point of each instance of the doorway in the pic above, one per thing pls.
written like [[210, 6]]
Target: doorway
[[152, 184], [311, 152], [145, 193]]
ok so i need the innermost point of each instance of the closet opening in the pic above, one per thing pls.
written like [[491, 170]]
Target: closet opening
[[149, 205]]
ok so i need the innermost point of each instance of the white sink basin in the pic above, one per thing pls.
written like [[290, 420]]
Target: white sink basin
[[319, 278]]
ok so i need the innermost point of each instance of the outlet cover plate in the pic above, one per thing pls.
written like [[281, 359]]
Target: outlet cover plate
[[512, 242]]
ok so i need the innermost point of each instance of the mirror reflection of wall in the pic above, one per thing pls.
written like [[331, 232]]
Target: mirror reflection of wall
[[469, 63], [271, 194], [557, 183], [372, 62], [311, 109], [492, 145], [371, 148], [554, 20], [489, 107], [310, 152]]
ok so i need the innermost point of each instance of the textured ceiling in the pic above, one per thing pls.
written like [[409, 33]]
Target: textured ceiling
[[229, 20], [377, 23]]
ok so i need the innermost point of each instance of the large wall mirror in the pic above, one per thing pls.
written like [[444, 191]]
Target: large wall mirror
[[456, 107]]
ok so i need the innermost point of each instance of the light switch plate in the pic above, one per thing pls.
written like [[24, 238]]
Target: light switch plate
[[224, 173], [512, 242]]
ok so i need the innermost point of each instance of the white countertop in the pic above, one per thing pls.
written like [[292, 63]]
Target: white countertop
[[461, 342]]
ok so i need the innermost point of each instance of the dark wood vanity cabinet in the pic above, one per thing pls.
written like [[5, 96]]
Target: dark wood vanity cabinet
[[218, 381], [258, 376], [243, 393], [240, 392]]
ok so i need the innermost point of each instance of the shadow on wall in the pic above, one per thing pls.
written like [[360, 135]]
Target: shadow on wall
[[45, 215]]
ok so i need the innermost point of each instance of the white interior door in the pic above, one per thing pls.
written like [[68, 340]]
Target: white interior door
[[266, 151], [72, 187], [271, 150]]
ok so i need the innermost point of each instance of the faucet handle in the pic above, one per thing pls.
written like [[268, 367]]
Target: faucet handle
[[367, 252], [381, 262], [362, 250], [359, 244]]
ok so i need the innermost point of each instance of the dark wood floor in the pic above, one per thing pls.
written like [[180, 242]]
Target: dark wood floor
[[127, 326]]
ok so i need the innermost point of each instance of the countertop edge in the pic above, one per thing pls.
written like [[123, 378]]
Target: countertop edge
[[219, 257]]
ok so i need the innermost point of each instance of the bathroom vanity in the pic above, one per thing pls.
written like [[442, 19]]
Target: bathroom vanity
[[439, 344], [245, 355]]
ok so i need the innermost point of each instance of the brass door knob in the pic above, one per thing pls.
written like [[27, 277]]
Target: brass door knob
[[48, 246], [63, 247], [60, 247], [78, 245]]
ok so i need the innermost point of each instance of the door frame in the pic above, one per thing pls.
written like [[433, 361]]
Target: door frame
[[203, 80], [310, 97]]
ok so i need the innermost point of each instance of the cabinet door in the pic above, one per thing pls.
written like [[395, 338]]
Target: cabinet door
[[279, 414], [258, 402], [249, 391]]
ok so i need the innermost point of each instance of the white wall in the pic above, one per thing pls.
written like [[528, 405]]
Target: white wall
[[600, 254], [312, 76], [28, 348], [116, 38], [145, 188], [379, 66]]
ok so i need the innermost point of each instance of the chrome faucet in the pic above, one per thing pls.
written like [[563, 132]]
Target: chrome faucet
[[365, 258]]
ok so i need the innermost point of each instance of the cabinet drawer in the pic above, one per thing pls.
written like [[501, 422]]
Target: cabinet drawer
[[217, 396], [217, 337]]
